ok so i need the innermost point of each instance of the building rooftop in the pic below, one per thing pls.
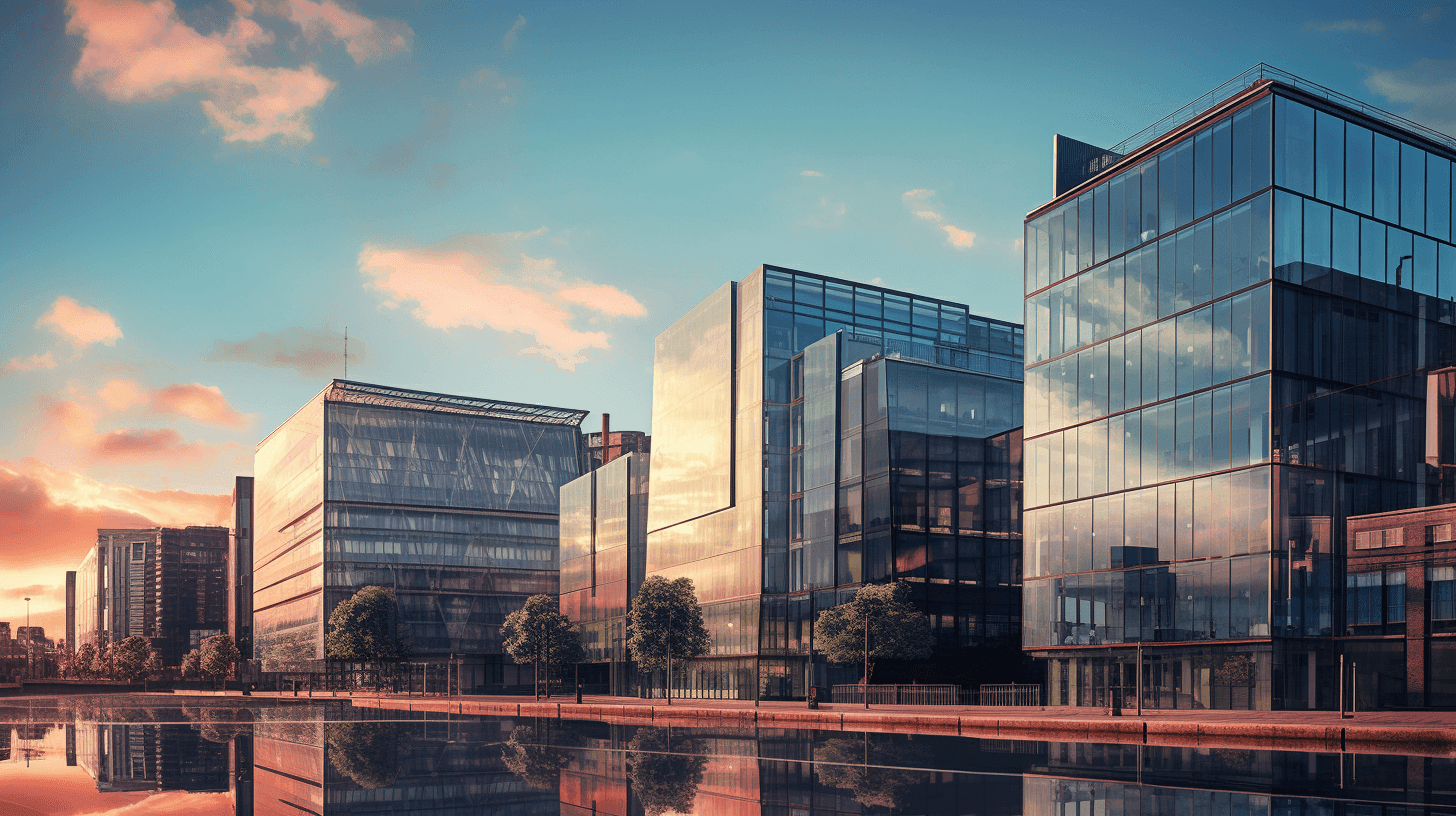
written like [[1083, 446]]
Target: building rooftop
[[368, 394], [1097, 161]]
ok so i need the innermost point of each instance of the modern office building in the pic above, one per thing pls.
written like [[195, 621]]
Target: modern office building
[[603, 560], [168, 585], [1232, 323], [450, 501], [240, 567], [776, 403]]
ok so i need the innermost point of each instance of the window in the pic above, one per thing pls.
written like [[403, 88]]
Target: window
[[1441, 583], [1438, 533], [1376, 539]]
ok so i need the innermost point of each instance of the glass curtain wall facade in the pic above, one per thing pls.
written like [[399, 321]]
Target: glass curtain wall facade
[[1228, 337], [603, 555], [724, 417], [450, 501]]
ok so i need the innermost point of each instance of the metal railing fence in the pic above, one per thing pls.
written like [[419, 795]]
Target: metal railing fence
[[1009, 694], [896, 694]]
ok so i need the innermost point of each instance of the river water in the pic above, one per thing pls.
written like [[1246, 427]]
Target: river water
[[140, 755]]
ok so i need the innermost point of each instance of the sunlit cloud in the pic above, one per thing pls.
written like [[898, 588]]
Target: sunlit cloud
[[366, 40], [1372, 26], [811, 173], [35, 362], [1426, 89], [69, 431], [487, 281], [314, 353], [200, 403], [79, 325], [922, 205], [510, 39]]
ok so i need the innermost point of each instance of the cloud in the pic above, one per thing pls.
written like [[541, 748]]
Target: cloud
[[510, 39], [136, 51], [1427, 89], [811, 173], [366, 40], [609, 300], [34, 362], [488, 281], [1371, 27], [314, 353], [198, 402], [148, 445], [957, 237], [922, 205], [80, 325], [489, 78], [48, 515]]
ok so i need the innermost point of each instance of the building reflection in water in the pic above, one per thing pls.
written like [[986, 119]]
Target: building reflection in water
[[330, 759]]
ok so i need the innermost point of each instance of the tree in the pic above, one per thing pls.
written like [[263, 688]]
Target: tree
[[84, 662], [534, 760], [134, 659], [366, 628], [192, 664], [218, 656], [869, 772], [881, 613], [367, 752], [666, 622], [538, 633], [665, 773]]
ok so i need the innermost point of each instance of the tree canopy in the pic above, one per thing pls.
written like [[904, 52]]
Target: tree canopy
[[192, 664], [134, 659], [538, 631], [666, 613], [366, 628], [897, 630], [218, 656], [665, 772]]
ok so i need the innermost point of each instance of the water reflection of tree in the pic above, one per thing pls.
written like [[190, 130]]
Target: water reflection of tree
[[665, 772], [222, 724], [367, 752], [530, 755], [856, 765]]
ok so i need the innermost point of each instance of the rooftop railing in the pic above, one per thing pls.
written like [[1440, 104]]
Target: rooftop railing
[[1248, 79]]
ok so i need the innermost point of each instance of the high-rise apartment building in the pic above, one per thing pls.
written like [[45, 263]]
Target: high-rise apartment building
[[779, 405], [1232, 323], [240, 567], [603, 555], [450, 501], [165, 584]]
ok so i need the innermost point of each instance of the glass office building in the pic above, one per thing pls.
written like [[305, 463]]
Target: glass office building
[[603, 555], [1230, 323], [451, 501], [240, 567], [766, 489]]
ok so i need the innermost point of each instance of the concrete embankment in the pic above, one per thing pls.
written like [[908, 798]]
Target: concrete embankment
[[1031, 724]]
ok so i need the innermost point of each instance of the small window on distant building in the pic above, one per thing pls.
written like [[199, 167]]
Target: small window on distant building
[[1438, 533], [1376, 539]]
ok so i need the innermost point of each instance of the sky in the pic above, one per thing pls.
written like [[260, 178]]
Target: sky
[[511, 200]]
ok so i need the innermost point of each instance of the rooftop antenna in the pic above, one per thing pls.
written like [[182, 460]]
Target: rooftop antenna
[[346, 352]]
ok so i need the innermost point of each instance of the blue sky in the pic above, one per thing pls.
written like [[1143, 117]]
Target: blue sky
[[512, 200]]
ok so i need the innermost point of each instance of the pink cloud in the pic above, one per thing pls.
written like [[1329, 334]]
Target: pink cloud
[[203, 403], [120, 395], [366, 40], [137, 50], [148, 444], [484, 281], [34, 362], [957, 237], [922, 202], [608, 300], [81, 325]]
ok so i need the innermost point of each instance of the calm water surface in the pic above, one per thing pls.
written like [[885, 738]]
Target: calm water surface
[[136, 756]]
